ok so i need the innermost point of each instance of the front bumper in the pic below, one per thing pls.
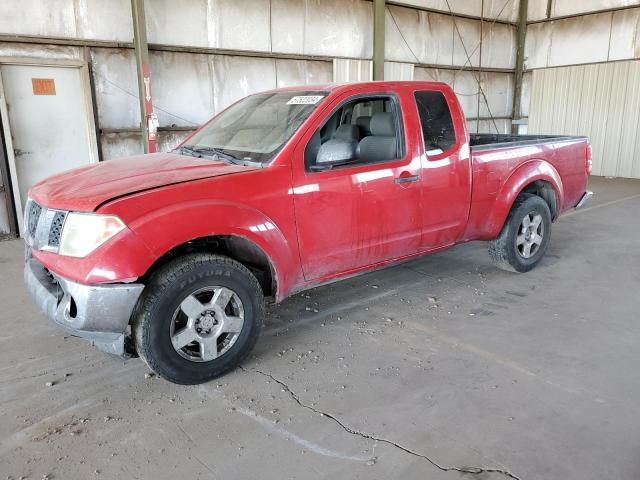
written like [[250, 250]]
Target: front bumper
[[98, 313]]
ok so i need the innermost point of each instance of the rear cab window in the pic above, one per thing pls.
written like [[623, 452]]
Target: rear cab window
[[438, 131]]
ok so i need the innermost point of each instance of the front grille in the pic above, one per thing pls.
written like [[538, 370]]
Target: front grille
[[44, 227], [56, 229], [35, 211]]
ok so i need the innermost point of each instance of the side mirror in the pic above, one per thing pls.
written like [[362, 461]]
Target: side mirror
[[335, 152]]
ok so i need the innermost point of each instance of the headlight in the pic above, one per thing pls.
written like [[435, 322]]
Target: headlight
[[84, 232]]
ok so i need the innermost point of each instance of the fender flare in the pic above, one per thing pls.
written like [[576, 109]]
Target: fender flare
[[167, 228], [527, 173]]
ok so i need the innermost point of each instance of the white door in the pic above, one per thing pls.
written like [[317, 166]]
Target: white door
[[50, 126]]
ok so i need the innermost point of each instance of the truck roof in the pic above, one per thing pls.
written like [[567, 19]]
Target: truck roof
[[355, 85]]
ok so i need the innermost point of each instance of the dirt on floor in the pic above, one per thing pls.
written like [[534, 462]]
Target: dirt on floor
[[442, 367]]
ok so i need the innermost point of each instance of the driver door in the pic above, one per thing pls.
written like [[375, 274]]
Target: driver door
[[360, 211]]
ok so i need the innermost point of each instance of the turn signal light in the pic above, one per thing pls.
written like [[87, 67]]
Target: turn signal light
[[589, 161]]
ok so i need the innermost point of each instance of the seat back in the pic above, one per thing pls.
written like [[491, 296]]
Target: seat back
[[382, 144], [364, 125], [347, 132]]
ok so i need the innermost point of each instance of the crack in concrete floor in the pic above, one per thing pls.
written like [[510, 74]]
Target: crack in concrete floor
[[352, 431]]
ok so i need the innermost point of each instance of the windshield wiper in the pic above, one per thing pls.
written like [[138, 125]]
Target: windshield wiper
[[188, 150], [200, 152], [218, 154]]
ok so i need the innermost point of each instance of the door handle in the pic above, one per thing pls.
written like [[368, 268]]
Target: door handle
[[407, 178]]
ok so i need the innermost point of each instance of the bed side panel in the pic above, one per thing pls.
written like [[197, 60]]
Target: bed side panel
[[500, 174]]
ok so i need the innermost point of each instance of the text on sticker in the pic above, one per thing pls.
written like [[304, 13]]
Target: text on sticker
[[305, 100]]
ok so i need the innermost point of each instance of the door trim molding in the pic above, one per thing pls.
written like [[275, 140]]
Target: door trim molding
[[4, 116]]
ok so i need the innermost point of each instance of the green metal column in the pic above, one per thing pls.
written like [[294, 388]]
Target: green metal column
[[378, 39], [148, 121], [521, 37]]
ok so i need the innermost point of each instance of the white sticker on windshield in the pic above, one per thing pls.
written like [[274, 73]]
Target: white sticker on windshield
[[305, 100]]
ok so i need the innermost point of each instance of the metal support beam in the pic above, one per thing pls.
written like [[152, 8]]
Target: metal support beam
[[448, 13], [5, 188], [480, 93], [520, 42], [464, 68], [156, 47], [550, 18], [378, 39], [86, 54], [148, 119]]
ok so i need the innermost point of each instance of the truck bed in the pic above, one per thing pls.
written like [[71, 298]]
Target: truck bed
[[486, 141], [505, 163]]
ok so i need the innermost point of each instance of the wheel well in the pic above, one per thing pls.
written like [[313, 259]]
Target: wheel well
[[232, 246], [545, 191]]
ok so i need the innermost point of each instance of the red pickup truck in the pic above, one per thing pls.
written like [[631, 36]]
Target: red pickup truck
[[171, 255]]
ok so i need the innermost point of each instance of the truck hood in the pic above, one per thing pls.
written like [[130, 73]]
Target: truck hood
[[86, 188]]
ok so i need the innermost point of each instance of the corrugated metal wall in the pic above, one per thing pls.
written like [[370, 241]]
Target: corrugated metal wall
[[205, 54], [585, 39], [350, 70], [446, 49], [569, 32], [192, 79], [601, 101]]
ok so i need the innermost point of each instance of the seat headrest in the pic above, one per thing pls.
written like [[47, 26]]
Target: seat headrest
[[382, 124], [347, 132], [364, 122]]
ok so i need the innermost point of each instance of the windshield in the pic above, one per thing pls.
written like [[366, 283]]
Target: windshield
[[255, 128]]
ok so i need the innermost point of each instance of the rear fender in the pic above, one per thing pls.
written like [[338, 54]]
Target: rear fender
[[169, 227], [520, 178]]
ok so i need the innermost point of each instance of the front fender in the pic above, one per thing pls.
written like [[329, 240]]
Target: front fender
[[166, 228], [527, 173]]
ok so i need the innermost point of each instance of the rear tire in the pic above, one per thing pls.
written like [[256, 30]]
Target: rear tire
[[525, 236], [199, 316]]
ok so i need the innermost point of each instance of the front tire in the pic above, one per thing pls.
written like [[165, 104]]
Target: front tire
[[199, 316], [525, 236]]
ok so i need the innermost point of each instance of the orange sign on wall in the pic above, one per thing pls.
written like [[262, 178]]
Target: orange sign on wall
[[43, 86]]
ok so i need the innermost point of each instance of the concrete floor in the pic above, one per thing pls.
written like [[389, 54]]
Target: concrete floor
[[423, 370]]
